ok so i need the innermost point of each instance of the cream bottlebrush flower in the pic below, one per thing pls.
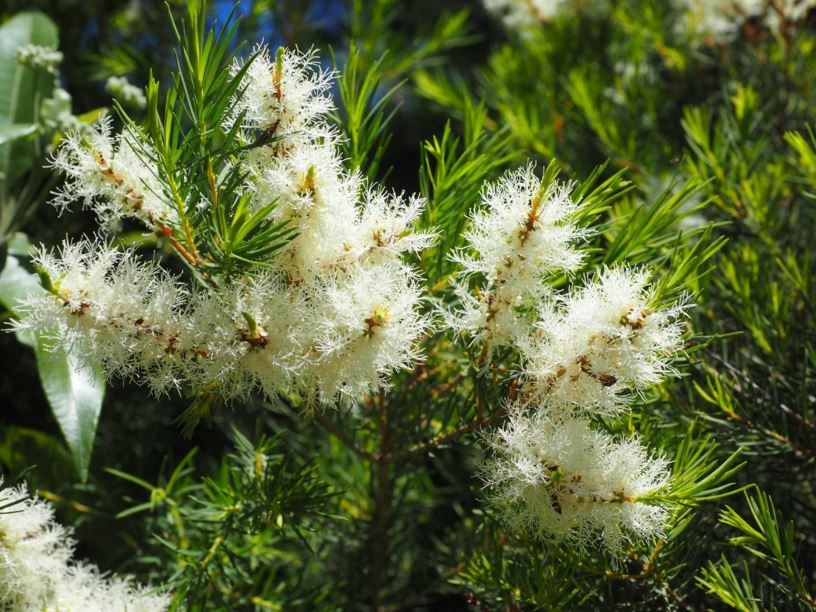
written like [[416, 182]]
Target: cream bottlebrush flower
[[336, 307], [523, 232], [366, 324], [721, 20], [84, 589], [39, 57], [285, 97], [110, 176], [523, 15], [561, 480], [337, 218], [602, 341], [125, 92], [112, 306], [37, 573], [34, 550], [385, 228], [319, 199], [254, 337], [333, 336]]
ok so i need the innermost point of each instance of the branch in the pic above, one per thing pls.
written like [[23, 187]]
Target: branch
[[338, 432]]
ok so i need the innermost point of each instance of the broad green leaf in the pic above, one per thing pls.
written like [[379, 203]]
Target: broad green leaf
[[13, 131], [74, 388], [15, 284], [22, 89]]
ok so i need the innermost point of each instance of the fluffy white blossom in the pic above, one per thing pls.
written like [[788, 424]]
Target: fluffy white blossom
[[330, 315], [720, 21], [32, 549], [317, 196], [385, 227], [114, 307], [125, 92], [252, 337], [368, 326], [582, 352], [560, 479], [601, 341], [285, 98], [37, 571], [523, 15], [109, 175], [39, 57], [523, 232]]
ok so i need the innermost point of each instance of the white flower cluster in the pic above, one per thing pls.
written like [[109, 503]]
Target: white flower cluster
[[286, 97], [37, 571], [717, 21], [601, 342], [583, 353], [721, 20], [523, 15], [39, 57], [562, 479], [109, 174], [332, 315], [522, 233], [125, 92]]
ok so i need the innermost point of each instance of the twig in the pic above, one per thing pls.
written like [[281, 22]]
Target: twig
[[338, 432]]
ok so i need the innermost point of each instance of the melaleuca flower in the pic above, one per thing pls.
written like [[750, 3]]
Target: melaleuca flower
[[720, 21], [285, 97], [125, 92], [329, 315], [37, 572], [367, 326], [33, 549], [319, 199], [39, 57], [254, 333], [524, 15], [109, 175], [601, 341], [83, 588], [523, 232], [116, 308], [561, 480], [385, 226]]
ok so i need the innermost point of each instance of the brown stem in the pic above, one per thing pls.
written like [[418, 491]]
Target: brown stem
[[338, 432], [442, 439], [383, 490], [649, 572], [168, 233]]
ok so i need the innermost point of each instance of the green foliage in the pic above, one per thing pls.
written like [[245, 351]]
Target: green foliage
[[364, 120], [74, 387], [236, 536], [75, 390], [193, 155], [694, 160], [771, 541], [399, 55], [22, 91], [452, 171]]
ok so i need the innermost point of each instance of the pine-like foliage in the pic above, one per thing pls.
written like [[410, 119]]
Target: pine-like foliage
[[512, 312]]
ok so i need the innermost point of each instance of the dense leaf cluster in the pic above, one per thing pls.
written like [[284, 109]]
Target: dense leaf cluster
[[696, 159]]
